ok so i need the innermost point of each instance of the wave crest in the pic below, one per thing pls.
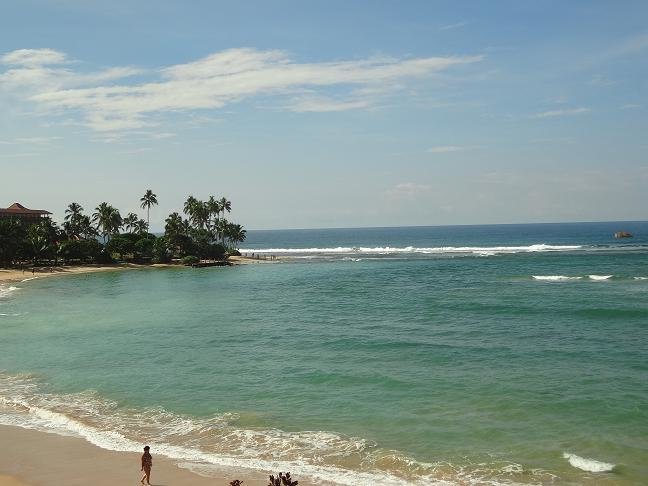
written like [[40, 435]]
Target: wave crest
[[586, 464], [555, 278], [440, 250], [5, 291]]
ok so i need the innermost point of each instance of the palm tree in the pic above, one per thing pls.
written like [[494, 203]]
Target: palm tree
[[73, 211], [43, 237], [225, 205], [221, 229], [140, 226], [173, 223], [148, 199], [85, 228], [73, 219], [214, 209], [198, 212], [189, 205], [108, 219], [176, 231], [236, 233], [130, 222], [201, 214]]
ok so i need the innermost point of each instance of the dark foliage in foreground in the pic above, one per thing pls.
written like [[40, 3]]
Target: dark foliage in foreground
[[236, 482]]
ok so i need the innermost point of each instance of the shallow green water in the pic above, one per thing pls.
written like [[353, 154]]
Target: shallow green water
[[462, 369]]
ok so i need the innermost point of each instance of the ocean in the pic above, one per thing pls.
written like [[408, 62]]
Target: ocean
[[501, 354]]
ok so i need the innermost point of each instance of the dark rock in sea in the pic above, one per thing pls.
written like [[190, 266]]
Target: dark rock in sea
[[622, 234]]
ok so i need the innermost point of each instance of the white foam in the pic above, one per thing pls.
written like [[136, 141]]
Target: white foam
[[554, 278], [28, 279], [5, 291], [599, 277], [640, 278], [207, 444], [385, 250], [586, 464]]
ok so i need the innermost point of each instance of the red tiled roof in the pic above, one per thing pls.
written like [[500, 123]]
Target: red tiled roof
[[17, 208]]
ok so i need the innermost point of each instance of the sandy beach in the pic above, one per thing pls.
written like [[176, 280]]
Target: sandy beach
[[245, 260], [13, 275], [10, 481], [32, 458]]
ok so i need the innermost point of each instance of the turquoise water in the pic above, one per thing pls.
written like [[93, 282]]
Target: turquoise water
[[384, 356]]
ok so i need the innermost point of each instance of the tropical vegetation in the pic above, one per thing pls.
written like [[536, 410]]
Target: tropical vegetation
[[199, 232]]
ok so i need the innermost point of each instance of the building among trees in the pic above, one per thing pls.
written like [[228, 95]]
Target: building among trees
[[18, 211]]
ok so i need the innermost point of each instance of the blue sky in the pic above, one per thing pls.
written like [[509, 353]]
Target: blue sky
[[329, 114]]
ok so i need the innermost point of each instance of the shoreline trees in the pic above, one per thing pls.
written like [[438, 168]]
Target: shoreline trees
[[200, 232]]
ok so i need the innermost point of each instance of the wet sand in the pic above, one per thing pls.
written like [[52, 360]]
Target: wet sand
[[32, 458]]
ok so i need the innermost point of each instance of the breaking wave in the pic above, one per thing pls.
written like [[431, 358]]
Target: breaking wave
[[206, 444], [555, 278], [5, 291], [440, 250], [586, 464]]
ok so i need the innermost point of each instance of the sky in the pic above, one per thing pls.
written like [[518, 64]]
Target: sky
[[310, 114]]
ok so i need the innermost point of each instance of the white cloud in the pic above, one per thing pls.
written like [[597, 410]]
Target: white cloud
[[136, 151], [456, 25], [215, 81], [38, 70], [443, 149], [30, 140], [601, 81], [23, 154], [631, 45], [324, 104], [408, 190], [34, 57], [630, 106], [558, 113], [162, 135]]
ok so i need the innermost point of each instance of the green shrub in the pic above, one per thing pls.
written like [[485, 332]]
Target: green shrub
[[190, 260], [143, 248], [121, 245]]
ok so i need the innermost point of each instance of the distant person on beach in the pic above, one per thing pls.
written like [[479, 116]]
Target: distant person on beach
[[147, 464]]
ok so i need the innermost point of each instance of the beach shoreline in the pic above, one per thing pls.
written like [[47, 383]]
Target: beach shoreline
[[39, 458], [35, 458], [16, 275]]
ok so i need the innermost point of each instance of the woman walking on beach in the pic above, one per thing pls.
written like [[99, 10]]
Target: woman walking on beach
[[147, 464]]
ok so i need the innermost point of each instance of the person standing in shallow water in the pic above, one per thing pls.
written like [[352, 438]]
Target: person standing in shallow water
[[147, 464]]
